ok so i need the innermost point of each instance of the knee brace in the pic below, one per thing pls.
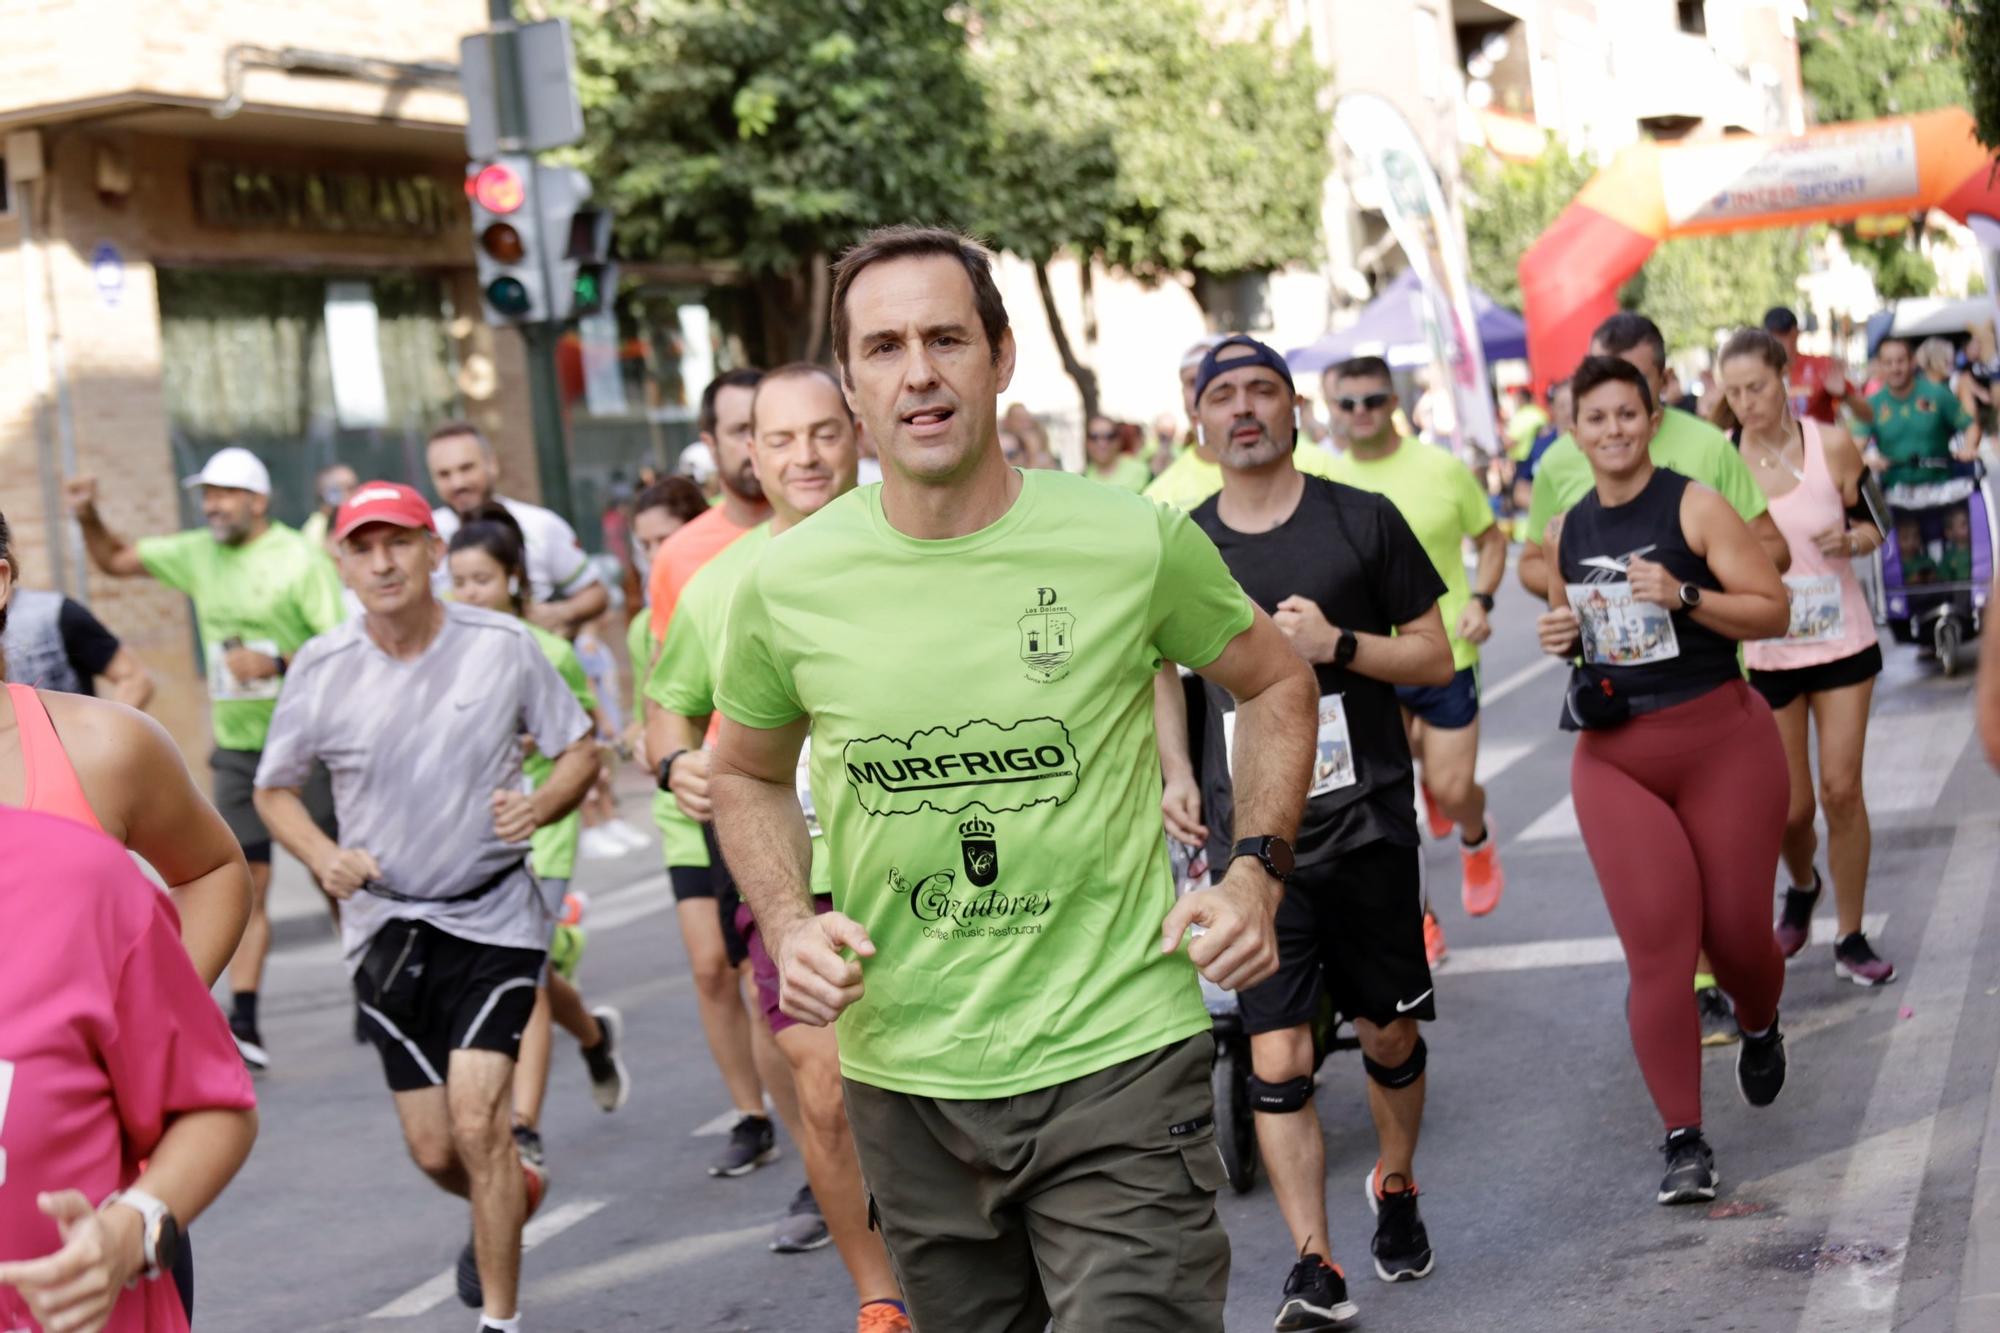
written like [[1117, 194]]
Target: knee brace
[[1294, 1094], [1403, 1075]]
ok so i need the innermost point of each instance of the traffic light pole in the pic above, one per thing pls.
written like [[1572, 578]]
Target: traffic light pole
[[538, 339]]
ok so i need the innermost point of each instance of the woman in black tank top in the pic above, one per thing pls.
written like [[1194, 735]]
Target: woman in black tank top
[[1679, 778]]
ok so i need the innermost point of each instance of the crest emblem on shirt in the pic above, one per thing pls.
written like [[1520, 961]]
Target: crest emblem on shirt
[[1048, 638], [981, 852]]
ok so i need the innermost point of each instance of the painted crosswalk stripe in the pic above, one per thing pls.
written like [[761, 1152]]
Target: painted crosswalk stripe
[[1593, 950], [427, 1297], [1500, 689]]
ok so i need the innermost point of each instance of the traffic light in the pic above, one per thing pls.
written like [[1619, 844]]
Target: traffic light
[[581, 276], [507, 239], [594, 285]]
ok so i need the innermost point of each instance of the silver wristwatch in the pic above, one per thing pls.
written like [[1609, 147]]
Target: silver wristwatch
[[160, 1232]]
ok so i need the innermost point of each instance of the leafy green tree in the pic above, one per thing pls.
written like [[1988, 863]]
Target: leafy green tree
[[1697, 287], [1980, 20], [1508, 205], [1127, 133], [766, 135]]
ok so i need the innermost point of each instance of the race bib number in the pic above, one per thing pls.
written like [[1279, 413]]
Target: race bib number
[[1618, 630], [1818, 613], [1333, 756], [223, 686]]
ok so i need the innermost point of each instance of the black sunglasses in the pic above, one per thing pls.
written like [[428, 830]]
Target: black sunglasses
[[1104, 435], [1365, 403]]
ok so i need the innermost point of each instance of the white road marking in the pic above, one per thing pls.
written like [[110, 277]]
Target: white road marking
[[1596, 950], [1496, 757], [722, 1124], [1910, 757], [1557, 823], [632, 1265], [1878, 1195], [427, 1297], [1979, 1285], [1540, 667]]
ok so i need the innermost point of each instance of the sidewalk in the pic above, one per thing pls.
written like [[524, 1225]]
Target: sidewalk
[[298, 909]]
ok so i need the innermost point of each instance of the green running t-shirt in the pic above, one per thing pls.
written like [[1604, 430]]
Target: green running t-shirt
[[1915, 427], [681, 842], [1129, 471], [553, 846], [984, 765], [1684, 442], [1189, 480], [1438, 497], [273, 592]]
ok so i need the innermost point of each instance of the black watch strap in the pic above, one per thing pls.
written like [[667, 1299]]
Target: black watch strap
[[1274, 854], [1485, 600], [663, 775]]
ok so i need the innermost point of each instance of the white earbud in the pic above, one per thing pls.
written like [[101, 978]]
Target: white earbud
[[1298, 418], [513, 586], [1201, 434]]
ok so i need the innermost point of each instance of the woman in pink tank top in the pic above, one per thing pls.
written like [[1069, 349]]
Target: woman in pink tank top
[[1821, 675], [114, 770]]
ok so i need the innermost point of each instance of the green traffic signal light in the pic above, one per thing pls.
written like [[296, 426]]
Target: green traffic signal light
[[589, 291], [508, 297]]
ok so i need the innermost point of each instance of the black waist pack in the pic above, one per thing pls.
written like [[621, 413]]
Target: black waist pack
[[392, 971], [1593, 703]]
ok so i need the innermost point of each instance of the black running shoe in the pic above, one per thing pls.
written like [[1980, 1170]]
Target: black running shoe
[[609, 1083], [803, 1227], [249, 1043], [1690, 1174], [528, 1143], [1718, 1017], [470, 1293], [752, 1143], [1315, 1298], [1402, 1248], [1760, 1066], [1855, 960], [1794, 926]]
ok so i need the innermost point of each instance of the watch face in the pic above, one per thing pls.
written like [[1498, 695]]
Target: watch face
[[167, 1243], [1278, 855]]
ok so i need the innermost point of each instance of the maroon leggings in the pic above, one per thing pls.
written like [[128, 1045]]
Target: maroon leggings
[[1682, 811]]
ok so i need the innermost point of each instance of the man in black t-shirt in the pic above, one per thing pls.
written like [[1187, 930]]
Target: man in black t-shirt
[[1339, 570], [54, 643]]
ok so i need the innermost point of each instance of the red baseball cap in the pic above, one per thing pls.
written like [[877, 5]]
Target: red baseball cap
[[382, 502]]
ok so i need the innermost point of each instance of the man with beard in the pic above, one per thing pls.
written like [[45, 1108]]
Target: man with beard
[[704, 903], [970, 647], [565, 592], [806, 458], [1345, 579], [260, 590]]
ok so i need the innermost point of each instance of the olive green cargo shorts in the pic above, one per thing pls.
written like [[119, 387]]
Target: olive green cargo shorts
[[1092, 1201]]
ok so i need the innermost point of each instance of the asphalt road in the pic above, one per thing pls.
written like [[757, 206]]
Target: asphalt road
[[1847, 1205]]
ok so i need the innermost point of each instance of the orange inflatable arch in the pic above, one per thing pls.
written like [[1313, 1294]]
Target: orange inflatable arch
[[1653, 192]]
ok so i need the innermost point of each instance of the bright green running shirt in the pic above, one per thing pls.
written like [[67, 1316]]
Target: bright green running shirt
[[1917, 426], [1129, 472], [683, 679], [985, 767], [1438, 497], [553, 846], [1188, 480], [681, 843], [1684, 442], [273, 593]]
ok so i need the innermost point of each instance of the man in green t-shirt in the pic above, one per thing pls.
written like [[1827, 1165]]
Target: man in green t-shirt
[[1685, 443], [1444, 506], [805, 448], [260, 590], [1024, 1045], [1915, 420]]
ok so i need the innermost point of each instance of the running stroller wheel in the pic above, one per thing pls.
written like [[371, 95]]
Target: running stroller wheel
[[1235, 1130], [1946, 638]]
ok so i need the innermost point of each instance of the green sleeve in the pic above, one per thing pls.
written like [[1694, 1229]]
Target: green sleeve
[[1475, 511], [639, 651], [1197, 606], [1544, 502], [319, 594], [171, 558], [1732, 478], [757, 685], [1871, 428], [682, 680]]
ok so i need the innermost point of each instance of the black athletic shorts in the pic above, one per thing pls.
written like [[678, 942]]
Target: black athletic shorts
[[1779, 688], [727, 900], [426, 993], [1355, 925], [235, 773]]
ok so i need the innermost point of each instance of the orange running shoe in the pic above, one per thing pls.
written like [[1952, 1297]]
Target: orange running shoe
[[1434, 946], [1434, 815], [881, 1317], [1482, 880]]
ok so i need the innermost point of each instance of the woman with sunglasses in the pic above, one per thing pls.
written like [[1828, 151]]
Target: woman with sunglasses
[[1679, 778], [1106, 459]]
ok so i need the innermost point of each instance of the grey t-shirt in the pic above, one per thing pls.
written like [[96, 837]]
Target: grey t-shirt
[[416, 750]]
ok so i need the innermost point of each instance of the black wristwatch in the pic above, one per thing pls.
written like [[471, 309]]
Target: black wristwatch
[[663, 774], [1345, 649], [1690, 596], [1485, 600], [1274, 854]]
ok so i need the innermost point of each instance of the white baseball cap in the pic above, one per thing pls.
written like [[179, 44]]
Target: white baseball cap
[[697, 462], [237, 469]]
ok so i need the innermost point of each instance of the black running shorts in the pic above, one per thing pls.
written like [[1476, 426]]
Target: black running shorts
[[235, 782], [426, 993], [1780, 688], [1354, 925]]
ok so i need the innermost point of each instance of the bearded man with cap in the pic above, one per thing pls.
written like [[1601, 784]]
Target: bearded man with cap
[[418, 707], [260, 590], [1347, 582]]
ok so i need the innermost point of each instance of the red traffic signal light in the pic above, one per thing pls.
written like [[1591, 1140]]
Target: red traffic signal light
[[498, 189]]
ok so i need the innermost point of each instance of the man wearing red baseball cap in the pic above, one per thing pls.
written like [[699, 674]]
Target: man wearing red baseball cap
[[417, 708]]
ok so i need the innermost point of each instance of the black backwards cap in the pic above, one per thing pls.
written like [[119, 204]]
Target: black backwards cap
[[1260, 355]]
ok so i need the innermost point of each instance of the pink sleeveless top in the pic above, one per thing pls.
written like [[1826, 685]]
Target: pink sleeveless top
[[49, 779], [1830, 615]]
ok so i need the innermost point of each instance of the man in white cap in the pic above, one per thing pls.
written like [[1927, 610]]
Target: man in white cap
[[260, 590]]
